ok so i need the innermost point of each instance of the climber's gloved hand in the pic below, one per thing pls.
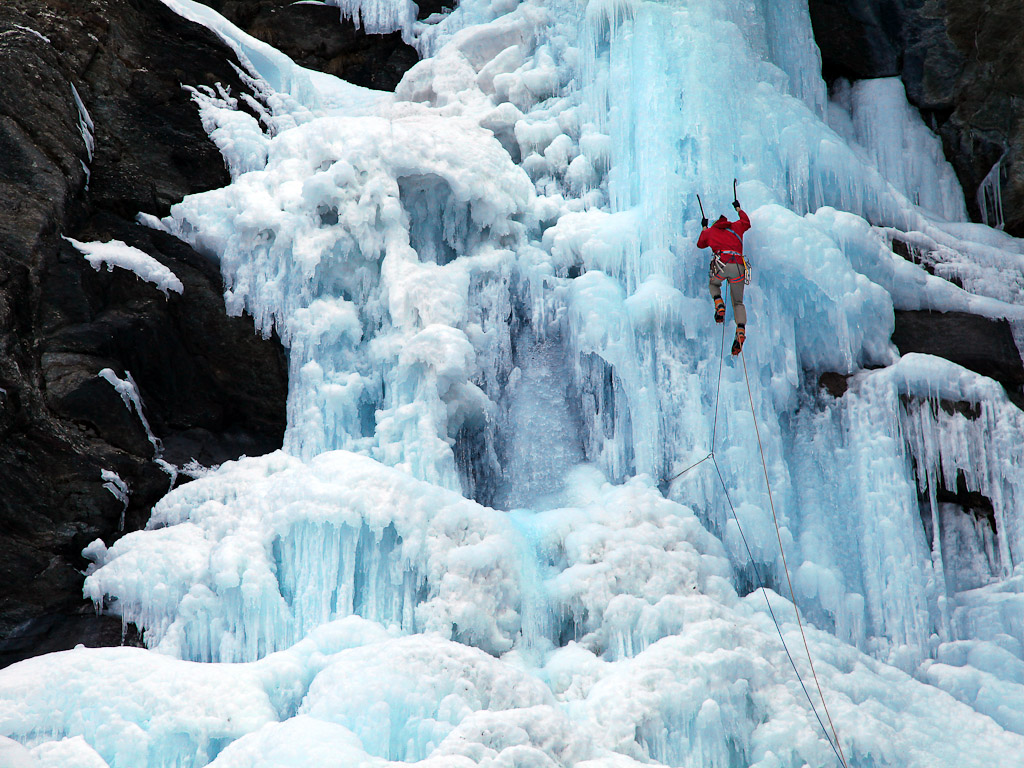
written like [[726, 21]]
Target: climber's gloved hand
[[704, 223], [736, 204]]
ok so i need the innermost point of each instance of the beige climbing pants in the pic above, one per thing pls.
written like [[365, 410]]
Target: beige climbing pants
[[731, 272]]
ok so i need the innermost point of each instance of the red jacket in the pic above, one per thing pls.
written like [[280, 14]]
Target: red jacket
[[725, 238]]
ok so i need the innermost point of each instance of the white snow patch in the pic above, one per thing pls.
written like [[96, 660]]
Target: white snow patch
[[118, 254], [31, 31]]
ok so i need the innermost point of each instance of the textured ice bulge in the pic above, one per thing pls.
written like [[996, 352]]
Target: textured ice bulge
[[479, 546]]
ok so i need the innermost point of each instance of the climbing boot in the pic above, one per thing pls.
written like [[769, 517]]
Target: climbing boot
[[741, 336], [719, 310]]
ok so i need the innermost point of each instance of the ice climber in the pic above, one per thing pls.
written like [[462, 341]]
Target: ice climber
[[725, 238]]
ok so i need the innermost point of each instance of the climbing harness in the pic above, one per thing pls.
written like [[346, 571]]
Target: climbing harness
[[832, 740], [745, 273]]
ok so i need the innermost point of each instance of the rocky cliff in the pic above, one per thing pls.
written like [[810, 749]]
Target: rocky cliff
[[95, 127], [962, 62]]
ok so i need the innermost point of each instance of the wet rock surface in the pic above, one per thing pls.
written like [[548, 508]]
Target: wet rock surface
[[962, 63], [211, 389]]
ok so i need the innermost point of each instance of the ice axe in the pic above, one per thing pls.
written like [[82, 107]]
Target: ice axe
[[703, 217], [735, 197]]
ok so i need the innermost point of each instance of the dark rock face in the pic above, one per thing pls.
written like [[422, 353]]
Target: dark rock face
[[427, 8], [317, 38], [857, 38], [211, 389], [834, 383], [962, 63], [977, 343]]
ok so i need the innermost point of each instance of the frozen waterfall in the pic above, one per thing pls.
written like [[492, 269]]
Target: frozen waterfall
[[491, 297]]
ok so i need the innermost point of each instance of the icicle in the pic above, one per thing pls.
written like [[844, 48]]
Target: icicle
[[990, 197]]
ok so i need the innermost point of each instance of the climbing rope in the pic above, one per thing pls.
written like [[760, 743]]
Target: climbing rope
[[836, 746], [832, 740], [718, 390], [760, 582], [714, 432]]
